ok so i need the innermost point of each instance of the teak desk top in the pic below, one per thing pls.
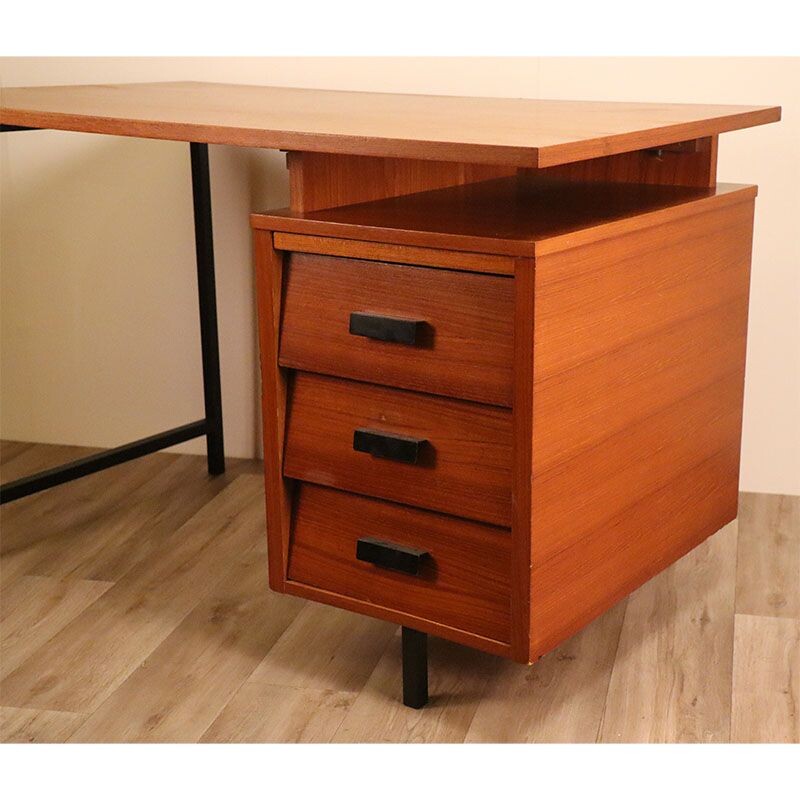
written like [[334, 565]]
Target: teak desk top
[[480, 130]]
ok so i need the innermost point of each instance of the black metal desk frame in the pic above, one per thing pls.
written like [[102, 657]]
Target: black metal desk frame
[[211, 425]]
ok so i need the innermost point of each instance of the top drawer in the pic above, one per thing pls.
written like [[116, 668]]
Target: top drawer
[[461, 344]]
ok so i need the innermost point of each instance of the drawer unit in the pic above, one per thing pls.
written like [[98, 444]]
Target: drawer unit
[[462, 567], [433, 452], [433, 330], [520, 444]]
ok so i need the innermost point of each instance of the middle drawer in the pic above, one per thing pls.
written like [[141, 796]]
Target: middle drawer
[[446, 455]]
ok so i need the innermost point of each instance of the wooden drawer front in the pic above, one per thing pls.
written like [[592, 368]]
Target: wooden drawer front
[[463, 581], [464, 346], [463, 466]]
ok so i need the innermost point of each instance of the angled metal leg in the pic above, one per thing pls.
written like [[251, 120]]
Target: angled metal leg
[[415, 668], [206, 286]]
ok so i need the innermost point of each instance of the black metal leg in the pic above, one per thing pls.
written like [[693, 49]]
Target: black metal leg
[[415, 668], [206, 286]]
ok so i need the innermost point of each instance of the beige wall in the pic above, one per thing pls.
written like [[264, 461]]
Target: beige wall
[[99, 317]]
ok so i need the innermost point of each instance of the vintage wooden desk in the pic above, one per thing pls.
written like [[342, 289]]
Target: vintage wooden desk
[[502, 344]]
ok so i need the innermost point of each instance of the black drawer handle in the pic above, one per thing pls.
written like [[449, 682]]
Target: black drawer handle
[[387, 445], [385, 329], [389, 555]]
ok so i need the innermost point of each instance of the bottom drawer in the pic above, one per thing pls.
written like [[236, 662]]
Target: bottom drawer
[[462, 578]]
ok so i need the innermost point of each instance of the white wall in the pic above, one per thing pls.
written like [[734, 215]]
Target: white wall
[[99, 319]]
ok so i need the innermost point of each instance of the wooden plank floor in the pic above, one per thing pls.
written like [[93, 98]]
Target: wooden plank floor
[[134, 608]]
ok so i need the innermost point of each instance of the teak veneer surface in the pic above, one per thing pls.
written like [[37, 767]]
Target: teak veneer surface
[[466, 341], [522, 215], [464, 582], [326, 180], [393, 253], [464, 467], [639, 352], [513, 131]]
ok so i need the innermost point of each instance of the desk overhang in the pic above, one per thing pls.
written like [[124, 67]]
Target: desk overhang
[[479, 130]]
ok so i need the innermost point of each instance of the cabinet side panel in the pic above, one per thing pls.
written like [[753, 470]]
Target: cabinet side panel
[[269, 281], [637, 412]]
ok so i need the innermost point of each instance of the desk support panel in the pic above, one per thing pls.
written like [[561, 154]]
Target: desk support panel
[[211, 425]]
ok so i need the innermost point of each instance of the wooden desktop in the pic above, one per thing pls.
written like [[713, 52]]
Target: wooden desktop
[[502, 344]]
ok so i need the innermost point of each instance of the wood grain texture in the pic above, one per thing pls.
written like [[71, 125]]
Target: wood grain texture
[[24, 461], [399, 617], [261, 712], [632, 464], [326, 180], [33, 609], [464, 467], [522, 457], [467, 343], [188, 679], [641, 401], [269, 292], [584, 580], [560, 698], [693, 164], [580, 408], [766, 680], [768, 571], [398, 254], [480, 130], [464, 583], [325, 649], [139, 536], [526, 215], [621, 290], [631, 327], [92, 656], [584, 391], [671, 680], [36, 726], [56, 534], [62, 536], [36, 460], [82, 543], [280, 702], [9, 450]]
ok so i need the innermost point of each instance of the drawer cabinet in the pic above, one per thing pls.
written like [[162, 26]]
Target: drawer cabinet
[[458, 423]]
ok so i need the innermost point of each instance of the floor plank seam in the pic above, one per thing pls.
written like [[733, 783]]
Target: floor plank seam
[[599, 734]]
